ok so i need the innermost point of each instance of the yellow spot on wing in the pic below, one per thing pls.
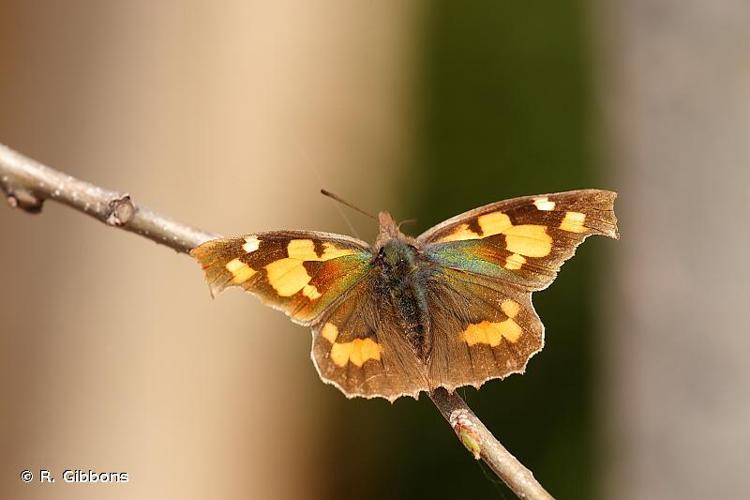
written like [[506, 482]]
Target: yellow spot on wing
[[514, 261], [241, 272], [529, 240], [287, 276], [305, 250], [510, 308], [311, 292], [573, 222], [494, 223], [491, 333], [544, 204], [330, 332], [331, 252], [510, 330], [357, 352], [340, 353], [461, 233], [251, 244], [301, 250]]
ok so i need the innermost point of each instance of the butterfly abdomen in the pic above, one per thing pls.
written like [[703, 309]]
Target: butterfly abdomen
[[401, 282]]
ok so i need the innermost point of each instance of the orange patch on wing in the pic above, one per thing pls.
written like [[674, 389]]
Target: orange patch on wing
[[461, 233], [241, 272], [288, 276], [357, 352], [331, 251], [494, 223], [330, 332], [529, 240], [301, 250], [510, 308], [514, 262], [491, 333], [311, 292], [305, 250], [573, 222]]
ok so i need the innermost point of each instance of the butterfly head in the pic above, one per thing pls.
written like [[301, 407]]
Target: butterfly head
[[389, 230]]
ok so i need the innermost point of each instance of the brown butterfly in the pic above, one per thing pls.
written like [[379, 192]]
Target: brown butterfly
[[449, 308]]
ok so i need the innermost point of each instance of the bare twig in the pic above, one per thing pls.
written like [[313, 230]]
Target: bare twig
[[482, 444], [26, 184]]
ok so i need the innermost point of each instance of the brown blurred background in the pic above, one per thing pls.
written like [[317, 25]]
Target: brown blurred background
[[231, 115]]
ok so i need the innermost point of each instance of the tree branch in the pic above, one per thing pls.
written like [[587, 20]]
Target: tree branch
[[26, 184], [482, 444]]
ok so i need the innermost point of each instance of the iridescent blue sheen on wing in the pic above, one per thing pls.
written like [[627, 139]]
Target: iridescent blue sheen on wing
[[468, 255], [485, 257]]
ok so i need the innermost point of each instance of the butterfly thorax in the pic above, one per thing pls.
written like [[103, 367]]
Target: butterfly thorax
[[401, 282]]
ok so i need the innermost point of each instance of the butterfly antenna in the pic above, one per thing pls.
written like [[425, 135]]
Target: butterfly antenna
[[344, 202], [407, 221]]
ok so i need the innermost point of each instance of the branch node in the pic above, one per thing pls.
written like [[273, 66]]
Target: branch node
[[464, 429], [120, 211], [25, 200]]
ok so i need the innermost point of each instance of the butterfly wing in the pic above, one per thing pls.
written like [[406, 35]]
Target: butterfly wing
[[489, 260], [482, 330], [358, 347], [325, 281], [299, 272], [522, 241]]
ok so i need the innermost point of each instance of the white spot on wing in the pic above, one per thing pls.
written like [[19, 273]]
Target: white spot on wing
[[251, 244], [544, 204]]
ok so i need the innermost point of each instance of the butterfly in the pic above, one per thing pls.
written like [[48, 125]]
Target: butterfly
[[449, 308]]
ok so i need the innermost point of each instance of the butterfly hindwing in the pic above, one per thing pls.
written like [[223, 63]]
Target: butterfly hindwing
[[482, 329], [522, 241], [299, 272], [358, 346]]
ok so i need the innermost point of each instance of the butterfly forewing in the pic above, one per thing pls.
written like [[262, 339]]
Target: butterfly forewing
[[299, 272], [522, 241]]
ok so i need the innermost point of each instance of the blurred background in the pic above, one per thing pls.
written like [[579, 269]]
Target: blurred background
[[232, 115]]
